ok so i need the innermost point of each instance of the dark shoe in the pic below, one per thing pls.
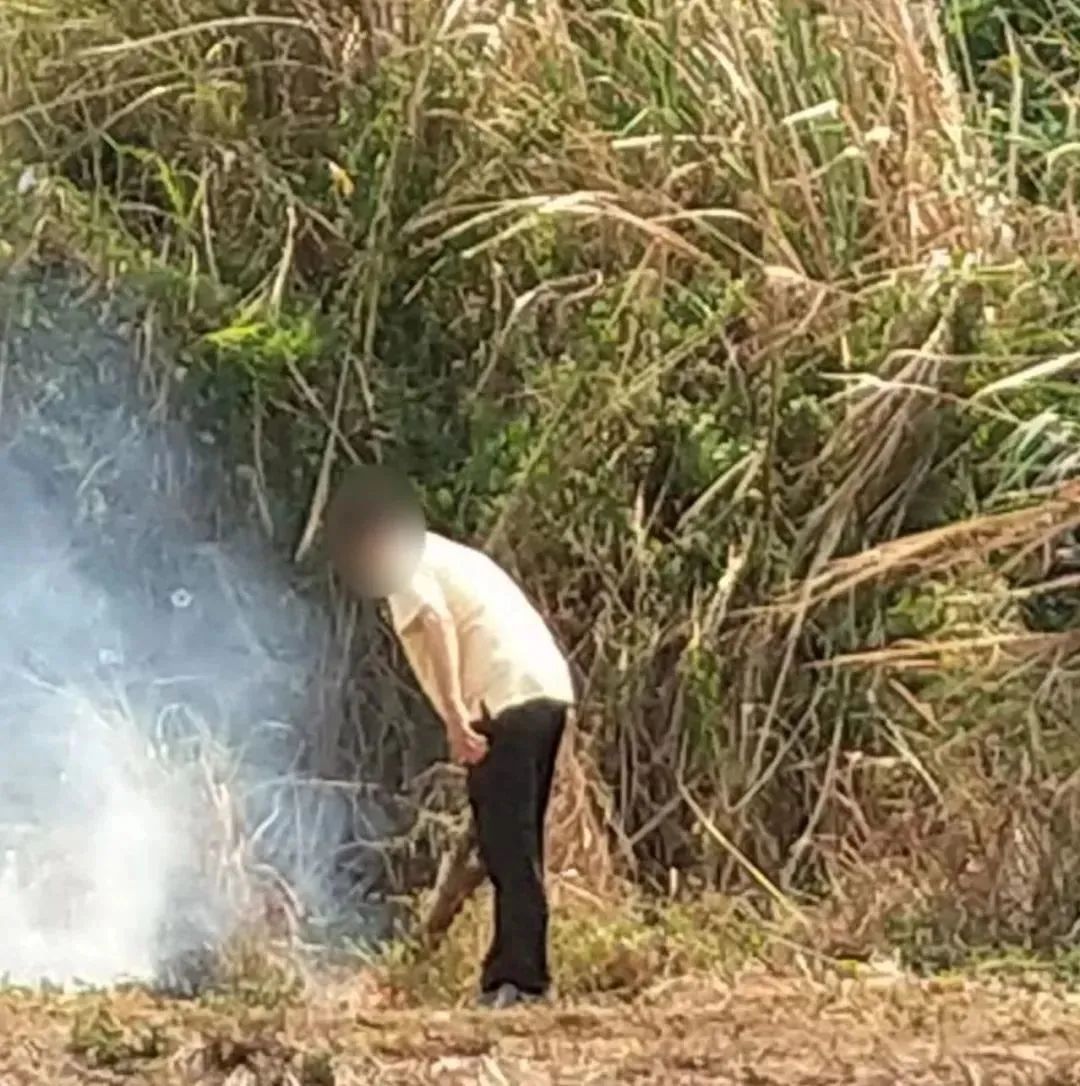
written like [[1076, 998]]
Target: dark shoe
[[509, 995]]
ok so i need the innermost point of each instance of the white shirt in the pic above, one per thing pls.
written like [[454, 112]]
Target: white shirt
[[508, 655]]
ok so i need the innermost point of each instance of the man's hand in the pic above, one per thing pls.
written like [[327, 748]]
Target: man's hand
[[467, 745], [438, 635]]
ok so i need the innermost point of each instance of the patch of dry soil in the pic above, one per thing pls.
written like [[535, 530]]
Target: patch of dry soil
[[759, 1031]]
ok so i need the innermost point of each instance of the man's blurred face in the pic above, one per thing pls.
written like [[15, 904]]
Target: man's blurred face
[[376, 531], [385, 558]]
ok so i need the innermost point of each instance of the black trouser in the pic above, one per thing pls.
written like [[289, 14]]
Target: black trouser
[[509, 792]]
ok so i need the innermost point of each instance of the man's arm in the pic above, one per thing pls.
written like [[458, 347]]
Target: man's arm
[[438, 636]]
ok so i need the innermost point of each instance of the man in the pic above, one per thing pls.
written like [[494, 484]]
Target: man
[[494, 674]]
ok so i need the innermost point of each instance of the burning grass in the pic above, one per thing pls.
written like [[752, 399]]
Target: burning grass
[[129, 859]]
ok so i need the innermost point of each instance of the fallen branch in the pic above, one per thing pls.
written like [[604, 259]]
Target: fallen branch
[[460, 875]]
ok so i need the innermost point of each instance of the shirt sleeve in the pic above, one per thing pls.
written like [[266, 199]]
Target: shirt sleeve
[[423, 592]]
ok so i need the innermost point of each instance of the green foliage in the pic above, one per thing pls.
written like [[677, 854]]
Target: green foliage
[[103, 1042], [670, 305], [626, 952], [251, 974], [1022, 61]]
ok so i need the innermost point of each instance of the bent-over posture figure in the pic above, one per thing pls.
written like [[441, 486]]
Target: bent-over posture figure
[[493, 672]]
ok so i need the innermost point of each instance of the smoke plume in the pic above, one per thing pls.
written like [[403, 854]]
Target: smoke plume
[[154, 670]]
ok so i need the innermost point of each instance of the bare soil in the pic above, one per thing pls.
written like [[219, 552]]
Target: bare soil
[[758, 1031]]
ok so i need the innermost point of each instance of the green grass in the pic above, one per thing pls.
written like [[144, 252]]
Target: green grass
[[632, 948]]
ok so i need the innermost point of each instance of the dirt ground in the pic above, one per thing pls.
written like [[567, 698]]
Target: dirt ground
[[758, 1031]]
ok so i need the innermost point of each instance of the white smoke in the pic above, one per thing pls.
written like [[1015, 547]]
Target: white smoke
[[131, 644], [84, 886], [100, 818]]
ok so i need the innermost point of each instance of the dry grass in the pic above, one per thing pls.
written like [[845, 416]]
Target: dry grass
[[756, 1029]]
